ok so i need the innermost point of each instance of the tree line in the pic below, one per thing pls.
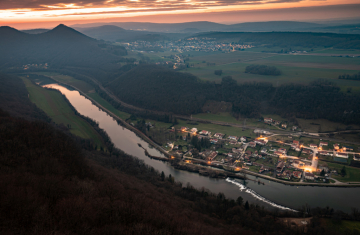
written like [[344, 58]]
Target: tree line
[[355, 76]]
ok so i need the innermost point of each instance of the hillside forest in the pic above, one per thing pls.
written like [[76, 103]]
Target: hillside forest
[[161, 89]]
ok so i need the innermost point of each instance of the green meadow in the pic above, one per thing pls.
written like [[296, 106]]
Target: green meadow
[[82, 85], [352, 173], [56, 107], [296, 68]]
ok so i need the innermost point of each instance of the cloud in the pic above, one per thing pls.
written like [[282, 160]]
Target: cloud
[[120, 12], [165, 4]]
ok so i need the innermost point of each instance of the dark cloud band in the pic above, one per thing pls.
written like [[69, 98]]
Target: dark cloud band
[[166, 4]]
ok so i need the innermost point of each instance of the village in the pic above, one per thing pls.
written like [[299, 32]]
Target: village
[[185, 45], [282, 156]]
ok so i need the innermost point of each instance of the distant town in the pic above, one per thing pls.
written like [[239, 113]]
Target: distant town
[[189, 44]]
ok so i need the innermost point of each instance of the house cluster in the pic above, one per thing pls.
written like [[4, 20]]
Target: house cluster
[[283, 173], [298, 164], [261, 141], [278, 152], [261, 132], [204, 44], [247, 154], [190, 44], [208, 155], [296, 146], [340, 152], [205, 133], [273, 122], [37, 66], [214, 139]]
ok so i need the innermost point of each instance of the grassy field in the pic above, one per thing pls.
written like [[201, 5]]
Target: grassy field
[[83, 86], [309, 125], [108, 106], [226, 117], [213, 128], [336, 51], [55, 106], [344, 226], [298, 68], [318, 59], [352, 173]]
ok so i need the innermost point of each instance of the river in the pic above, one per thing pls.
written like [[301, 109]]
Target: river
[[270, 195]]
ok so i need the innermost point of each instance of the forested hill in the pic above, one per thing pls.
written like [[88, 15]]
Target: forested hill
[[289, 39], [158, 88], [61, 46], [114, 33]]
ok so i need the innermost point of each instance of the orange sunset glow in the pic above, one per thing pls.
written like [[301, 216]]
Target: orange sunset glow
[[48, 13]]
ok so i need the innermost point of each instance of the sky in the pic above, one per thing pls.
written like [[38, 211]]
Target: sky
[[25, 14]]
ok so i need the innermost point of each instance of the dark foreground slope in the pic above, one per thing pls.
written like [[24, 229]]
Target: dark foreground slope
[[61, 46], [48, 186]]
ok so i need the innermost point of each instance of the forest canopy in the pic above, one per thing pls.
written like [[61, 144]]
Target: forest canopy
[[161, 89]]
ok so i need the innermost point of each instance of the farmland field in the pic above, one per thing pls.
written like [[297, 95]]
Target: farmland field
[[322, 125], [213, 128], [297, 68], [55, 106], [227, 117], [352, 173]]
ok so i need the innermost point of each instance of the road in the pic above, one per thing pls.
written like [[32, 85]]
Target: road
[[315, 160]]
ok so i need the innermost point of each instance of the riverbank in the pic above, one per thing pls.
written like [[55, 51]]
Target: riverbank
[[123, 122], [205, 171], [300, 183], [169, 156]]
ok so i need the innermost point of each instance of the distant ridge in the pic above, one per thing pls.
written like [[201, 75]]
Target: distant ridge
[[6, 31], [35, 31], [206, 26], [116, 33], [60, 46]]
